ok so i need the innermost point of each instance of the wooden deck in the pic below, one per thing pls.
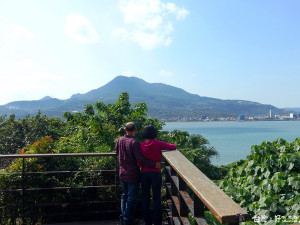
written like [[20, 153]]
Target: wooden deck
[[102, 222]]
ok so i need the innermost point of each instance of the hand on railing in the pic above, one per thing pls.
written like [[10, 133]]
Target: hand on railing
[[158, 165]]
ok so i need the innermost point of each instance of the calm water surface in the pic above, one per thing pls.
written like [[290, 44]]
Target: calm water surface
[[233, 140]]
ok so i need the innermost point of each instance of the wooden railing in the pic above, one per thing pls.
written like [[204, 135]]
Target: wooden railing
[[180, 174]]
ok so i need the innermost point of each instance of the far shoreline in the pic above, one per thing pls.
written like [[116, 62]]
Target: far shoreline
[[227, 121]]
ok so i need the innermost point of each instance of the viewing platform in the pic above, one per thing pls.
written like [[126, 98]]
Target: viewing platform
[[91, 195], [103, 222]]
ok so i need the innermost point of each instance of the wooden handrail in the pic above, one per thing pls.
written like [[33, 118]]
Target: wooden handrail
[[221, 205], [205, 191]]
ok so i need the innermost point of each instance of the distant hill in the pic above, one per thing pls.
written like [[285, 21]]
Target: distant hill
[[164, 102], [294, 109]]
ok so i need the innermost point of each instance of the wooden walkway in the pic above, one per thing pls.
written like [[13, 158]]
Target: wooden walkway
[[102, 222]]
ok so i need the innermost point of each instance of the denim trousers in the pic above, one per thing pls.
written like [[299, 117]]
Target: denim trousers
[[151, 180], [128, 200]]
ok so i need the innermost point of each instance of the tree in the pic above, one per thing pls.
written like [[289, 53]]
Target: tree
[[94, 130], [196, 148], [16, 134]]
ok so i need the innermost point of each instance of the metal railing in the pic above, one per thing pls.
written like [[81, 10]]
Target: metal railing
[[35, 202], [182, 178], [29, 195]]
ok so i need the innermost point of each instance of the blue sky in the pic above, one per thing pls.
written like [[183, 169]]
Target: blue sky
[[228, 49]]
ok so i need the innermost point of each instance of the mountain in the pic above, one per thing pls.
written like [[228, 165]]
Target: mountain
[[293, 109], [164, 101]]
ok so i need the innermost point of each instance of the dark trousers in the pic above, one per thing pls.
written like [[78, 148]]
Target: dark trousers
[[128, 200], [151, 180]]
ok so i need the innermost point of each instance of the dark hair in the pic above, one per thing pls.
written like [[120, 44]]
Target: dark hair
[[149, 132], [130, 126]]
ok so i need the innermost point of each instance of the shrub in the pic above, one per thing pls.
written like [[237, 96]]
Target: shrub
[[267, 184]]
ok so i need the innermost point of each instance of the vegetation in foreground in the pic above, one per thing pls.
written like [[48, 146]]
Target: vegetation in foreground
[[94, 130], [266, 184]]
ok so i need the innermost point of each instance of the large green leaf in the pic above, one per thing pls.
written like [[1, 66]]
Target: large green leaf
[[268, 182]]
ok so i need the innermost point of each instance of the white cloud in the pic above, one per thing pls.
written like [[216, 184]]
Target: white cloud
[[150, 40], [29, 63], [80, 29], [120, 32], [14, 31], [180, 13], [21, 32], [166, 74], [25, 78], [149, 22], [27, 72]]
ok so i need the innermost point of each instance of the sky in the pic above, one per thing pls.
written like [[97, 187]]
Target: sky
[[227, 49]]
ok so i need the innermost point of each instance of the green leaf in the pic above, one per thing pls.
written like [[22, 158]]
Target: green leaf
[[262, 202], [267, 174], [296, 207], [273, 207], [294, 182], [291, 166]]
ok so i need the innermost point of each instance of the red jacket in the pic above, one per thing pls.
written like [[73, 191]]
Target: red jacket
[[152, 150]]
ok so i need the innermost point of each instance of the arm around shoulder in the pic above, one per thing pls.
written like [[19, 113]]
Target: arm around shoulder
[[140, 158]]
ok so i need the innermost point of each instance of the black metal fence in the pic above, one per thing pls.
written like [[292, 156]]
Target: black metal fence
[[49, 188], [59, 187]]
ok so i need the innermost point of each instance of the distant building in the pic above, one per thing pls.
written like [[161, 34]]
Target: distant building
[[241, 117], [271, 116], [294, 115]]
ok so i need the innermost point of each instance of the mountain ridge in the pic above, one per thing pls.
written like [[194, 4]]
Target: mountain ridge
[[164, 101]]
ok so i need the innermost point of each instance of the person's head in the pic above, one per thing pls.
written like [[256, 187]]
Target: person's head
[[130, 128], [149, 132]]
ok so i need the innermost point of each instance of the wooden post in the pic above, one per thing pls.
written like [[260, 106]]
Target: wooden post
[[198, 207], [184, 211], [166, 172], [167, 181], [174, 190]]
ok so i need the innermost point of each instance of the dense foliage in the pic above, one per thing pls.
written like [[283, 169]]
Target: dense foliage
[[267, 184], [94, 130], [48, 181], [16, 134]]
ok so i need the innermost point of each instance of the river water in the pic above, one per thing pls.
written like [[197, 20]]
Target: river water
[[233, 140]]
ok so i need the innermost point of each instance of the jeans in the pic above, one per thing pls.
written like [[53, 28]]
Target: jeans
[[128, 200], [148, 180]]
